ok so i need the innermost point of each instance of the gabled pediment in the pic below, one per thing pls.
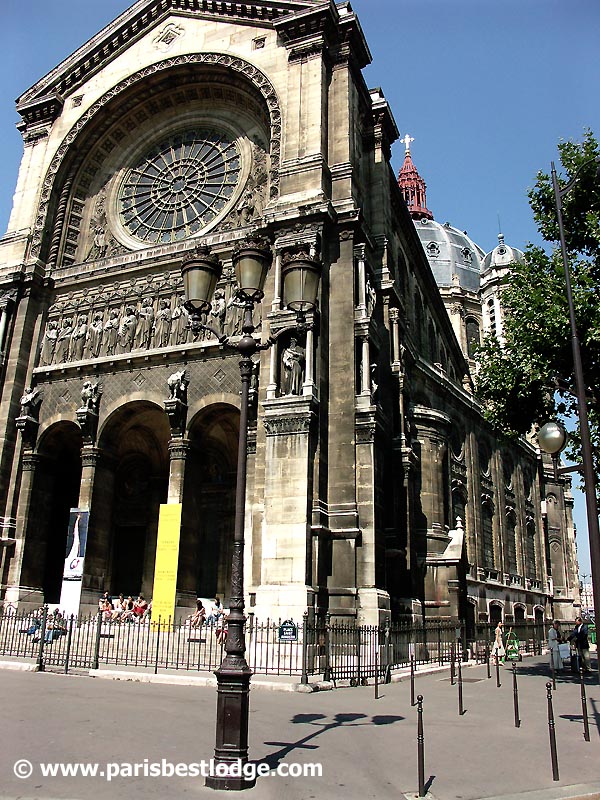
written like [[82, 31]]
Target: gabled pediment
[[43, 101]]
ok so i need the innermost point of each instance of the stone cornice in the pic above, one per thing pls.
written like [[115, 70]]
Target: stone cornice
[[41, 102]]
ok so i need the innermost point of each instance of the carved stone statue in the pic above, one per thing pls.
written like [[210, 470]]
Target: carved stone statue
[[145, 324], [110, 334], [235, 310], [94, 336], [218, 311], [30, 403], [162, 325], [90, 395], [292, 362], [179, 323], [49, 343], [127, 330], [178, 384], [78, 339], [63, 342]]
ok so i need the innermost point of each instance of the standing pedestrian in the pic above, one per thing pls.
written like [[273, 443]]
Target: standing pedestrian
[[498, 646], [579, 637], [554, 639]]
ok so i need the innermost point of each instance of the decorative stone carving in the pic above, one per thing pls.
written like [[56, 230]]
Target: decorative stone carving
[[127, 328], [28, 422], [87, 414], [49, 343], [145, 324], [292, 368], [162, 325], [31, 402], [254, 197], [63, 342], [94, 337], [176, 406], [254, 75], [90, 395], [78, 339], [178, 384], [179, 323], [219, 310], [278, 426], [110, 334]]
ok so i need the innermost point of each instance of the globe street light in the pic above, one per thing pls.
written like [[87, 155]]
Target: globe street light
[[201, 272], [589, 475]]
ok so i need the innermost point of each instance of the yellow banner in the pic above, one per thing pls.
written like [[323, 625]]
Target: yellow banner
[[165, 566]]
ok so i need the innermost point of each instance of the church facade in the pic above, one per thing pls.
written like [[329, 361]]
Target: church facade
[[375, 488]]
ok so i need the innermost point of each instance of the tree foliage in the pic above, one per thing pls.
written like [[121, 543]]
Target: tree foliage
[[530, 378]]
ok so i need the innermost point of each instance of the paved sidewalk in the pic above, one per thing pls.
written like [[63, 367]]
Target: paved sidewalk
[[367, 747]]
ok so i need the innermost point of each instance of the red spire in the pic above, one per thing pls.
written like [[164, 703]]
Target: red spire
[[413, 186]]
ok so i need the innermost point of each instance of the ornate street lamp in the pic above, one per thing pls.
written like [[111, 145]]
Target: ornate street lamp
[[201, 271], [589, 475]]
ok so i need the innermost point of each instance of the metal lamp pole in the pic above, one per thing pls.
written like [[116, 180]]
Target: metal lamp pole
[[586, 446], [300, 276]]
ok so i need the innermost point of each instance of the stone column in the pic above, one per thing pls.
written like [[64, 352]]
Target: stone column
[[96, 495], [432, 433], [179, 454], [89, 461], [19, 582], [6, 304], [285, 570], [179, 449]]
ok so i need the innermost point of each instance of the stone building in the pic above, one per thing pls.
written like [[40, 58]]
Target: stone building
[[374, 486]]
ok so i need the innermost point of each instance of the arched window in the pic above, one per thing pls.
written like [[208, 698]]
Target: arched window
[[473, 336], [530, 550], [492, 314], [511, 543], [487, 535]]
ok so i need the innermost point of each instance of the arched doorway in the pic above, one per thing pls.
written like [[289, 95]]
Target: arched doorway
[[495, 613], [209, 503], [125, 511], [55, 491]]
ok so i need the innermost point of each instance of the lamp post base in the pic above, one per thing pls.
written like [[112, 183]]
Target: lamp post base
[[231, 747]]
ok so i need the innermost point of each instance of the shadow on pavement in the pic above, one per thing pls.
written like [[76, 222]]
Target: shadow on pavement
[[320, 721]]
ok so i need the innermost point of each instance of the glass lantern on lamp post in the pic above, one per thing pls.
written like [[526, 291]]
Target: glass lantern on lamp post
[[201, 272]]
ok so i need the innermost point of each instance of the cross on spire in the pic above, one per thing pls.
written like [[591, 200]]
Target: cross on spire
[[407, 140]]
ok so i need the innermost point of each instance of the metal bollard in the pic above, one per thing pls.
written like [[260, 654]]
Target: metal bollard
[[516, 696], [420, 746], [42, 640], [461, 710], [327, 674], [376, 676], [412, 680], [586, 724], [452, 667], [69, 640], [498, 684], [158, 645], [96, 661], [304, 678], [552, 732], [487, 660]]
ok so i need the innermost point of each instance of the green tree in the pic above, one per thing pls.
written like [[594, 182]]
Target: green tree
[[529, 378]]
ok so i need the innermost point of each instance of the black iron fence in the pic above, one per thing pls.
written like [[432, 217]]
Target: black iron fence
[[312, 648]]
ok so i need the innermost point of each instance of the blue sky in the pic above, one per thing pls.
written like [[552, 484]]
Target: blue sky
[[486, 89]]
